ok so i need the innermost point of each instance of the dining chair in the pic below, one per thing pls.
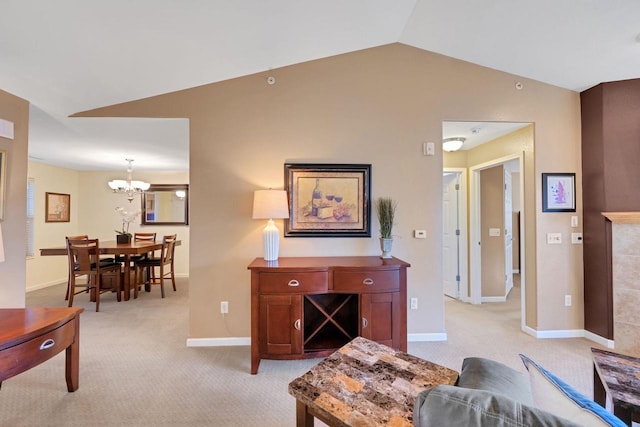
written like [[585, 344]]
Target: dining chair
[[84, 260], [164, 262], [80, 237]]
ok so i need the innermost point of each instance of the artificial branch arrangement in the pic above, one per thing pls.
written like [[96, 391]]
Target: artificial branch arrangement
[[386, 208]]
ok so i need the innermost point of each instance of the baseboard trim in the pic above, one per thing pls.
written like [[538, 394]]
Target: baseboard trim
[[598, 339], [440, 336], [570, 333], [46, 285], [493, 299], [218, 342]]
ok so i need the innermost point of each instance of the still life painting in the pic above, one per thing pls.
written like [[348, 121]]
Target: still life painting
[[328, 200]]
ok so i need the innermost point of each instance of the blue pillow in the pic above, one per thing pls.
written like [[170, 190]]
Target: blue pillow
[[552, 394]]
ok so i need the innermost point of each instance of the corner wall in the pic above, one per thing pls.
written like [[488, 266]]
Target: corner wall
[[13, 270]]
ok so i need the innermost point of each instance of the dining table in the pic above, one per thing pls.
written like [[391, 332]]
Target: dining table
[[112, 247]]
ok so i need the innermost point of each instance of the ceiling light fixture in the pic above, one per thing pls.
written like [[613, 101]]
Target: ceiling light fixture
[[128, 186], [453, 144]]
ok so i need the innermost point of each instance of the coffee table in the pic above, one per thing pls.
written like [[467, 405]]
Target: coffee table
[[617, 376], [365, 383]]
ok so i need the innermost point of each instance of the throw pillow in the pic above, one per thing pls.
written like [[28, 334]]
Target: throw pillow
[[485, 374], [453, 406], [552, 394]]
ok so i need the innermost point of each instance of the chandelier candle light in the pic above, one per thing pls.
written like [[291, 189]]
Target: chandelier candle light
[[128, 186], [270, 204]]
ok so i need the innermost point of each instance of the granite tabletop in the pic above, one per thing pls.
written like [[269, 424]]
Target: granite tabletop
[[620, 375], [368, 384]]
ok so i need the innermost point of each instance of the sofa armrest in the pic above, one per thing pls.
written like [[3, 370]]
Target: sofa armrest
[[485, 374], [446, 405]]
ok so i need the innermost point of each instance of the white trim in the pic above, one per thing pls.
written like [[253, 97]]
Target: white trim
[[516, 271], [46, 285], [598, 339], [570, 333], [438, 336], [218, 342], [493, 299]]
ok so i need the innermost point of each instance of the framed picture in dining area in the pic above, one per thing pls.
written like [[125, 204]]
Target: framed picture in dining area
[[328, 200], [57, 207], [558, 192]]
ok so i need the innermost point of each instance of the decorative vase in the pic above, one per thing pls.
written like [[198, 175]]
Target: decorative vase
[[123, 238], [385, 245]]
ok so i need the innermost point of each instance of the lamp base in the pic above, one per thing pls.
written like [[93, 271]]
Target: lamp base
[[271, 241]]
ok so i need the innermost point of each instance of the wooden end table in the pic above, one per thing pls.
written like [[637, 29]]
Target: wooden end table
[[29, 336], [617, 376], [365, 383]]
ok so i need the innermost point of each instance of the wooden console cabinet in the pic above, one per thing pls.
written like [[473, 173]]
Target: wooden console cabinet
[[311, 306]]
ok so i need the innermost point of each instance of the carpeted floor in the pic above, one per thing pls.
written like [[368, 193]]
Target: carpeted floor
[[136, 370]]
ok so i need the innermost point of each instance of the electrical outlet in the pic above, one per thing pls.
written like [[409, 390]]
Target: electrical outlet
[[414, 303], [224, 307], [567, 300], [554, 238]]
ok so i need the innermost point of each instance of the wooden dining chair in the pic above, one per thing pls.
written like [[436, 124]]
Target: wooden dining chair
[[165, 264], [84, 260], [80, 237]]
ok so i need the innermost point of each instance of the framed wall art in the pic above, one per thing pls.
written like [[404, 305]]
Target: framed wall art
[[558, 192], [328, 200], [57, 207]]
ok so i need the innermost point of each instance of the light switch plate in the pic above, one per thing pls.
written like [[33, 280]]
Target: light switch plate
[[494, 232], [554, 238], [420, 234], [576, 238]]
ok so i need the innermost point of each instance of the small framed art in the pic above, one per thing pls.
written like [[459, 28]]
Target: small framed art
[[57, 207], [558, 192]]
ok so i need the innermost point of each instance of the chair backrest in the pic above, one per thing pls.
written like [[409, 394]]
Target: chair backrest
[[168, 246], [83, 255], [151, 237], [80, 237]]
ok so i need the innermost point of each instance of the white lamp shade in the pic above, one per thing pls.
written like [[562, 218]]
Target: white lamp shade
[[1, 246], [453, 144], [268, 204]]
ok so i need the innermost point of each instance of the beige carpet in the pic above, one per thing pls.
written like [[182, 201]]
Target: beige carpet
[[136, 370]]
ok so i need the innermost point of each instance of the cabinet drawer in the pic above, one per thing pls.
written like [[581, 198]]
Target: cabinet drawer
[[301, 282], [366, 281], [24, 356]]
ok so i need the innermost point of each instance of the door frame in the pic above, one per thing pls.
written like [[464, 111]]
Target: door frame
[[464, 220], [475, 271]]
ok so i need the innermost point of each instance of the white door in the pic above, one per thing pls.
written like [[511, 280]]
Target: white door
[[451, 234], [508, 231]]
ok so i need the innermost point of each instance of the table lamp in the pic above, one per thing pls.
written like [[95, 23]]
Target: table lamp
[[270, 204]]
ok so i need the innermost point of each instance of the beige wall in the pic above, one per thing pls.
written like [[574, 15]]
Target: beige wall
[[92, 212], [373, 106], [13, 270], [492, 216]]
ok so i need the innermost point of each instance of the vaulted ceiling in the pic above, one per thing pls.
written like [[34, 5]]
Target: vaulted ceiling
[[67, 56]]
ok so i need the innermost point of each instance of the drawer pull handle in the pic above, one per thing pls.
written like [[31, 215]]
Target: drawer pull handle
[[293, 283], [297, 324], [47, 344], [365, 322], [367, 281]]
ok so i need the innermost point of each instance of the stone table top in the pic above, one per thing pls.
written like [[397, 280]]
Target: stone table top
[[368, 384], [620, 374]]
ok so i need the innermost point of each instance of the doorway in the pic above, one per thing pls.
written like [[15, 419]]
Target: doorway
[[454, 233], [503, 142]]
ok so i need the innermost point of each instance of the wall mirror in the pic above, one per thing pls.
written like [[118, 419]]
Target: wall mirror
[[166, 204]]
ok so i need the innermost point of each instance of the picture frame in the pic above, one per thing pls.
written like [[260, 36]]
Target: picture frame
[[3, 181], [558, 192], [328, 200], [57, 207]]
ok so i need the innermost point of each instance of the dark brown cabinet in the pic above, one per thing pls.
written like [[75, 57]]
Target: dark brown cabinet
[[309, 307]]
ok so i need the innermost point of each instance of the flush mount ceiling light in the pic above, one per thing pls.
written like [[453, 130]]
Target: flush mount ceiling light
[[453, 144]]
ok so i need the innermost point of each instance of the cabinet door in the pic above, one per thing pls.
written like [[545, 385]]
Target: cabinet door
[[380, 318], [280, 324]]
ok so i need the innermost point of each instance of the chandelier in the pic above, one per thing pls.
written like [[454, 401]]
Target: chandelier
[[128, 186]]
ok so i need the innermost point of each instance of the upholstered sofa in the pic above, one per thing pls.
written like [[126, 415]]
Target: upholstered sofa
[[489, 393]]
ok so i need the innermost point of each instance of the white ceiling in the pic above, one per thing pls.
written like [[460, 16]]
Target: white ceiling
[[67, 56]]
